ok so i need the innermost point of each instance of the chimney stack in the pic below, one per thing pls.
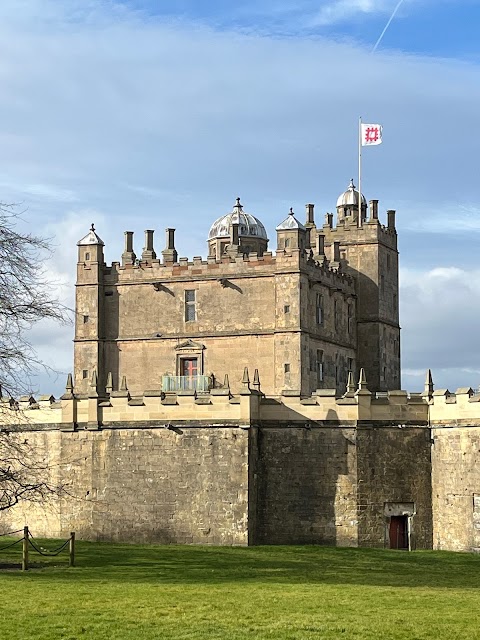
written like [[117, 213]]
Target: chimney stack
[[148, 252], [128, 256], [170, 253], [373, 210], [391, 219]]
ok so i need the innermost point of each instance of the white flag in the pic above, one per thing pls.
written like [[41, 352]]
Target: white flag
[[371, 134]]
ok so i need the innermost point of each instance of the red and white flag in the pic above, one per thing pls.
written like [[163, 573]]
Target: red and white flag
[[371, 134]]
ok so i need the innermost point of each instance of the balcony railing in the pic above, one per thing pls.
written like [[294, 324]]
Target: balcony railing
[[186, 383]]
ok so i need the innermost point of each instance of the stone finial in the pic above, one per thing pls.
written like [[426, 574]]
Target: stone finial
[[246, 379], [109, 385], [362, 381], [428, 391], [123, 386], [226, 382], [69, 385], [350, 383], [93, 393], [256, 381]]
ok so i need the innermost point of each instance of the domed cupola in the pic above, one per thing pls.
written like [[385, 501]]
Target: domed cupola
[[347, 205], [237, 233]]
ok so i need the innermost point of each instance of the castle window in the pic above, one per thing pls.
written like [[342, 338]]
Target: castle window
[[85, 374], [286, 368], [190, 310], [286, 308], [336, 314], [85, 319], [87, 256], [319, 365], [350, 317], [287, 242], [108, 293], [319, 308]]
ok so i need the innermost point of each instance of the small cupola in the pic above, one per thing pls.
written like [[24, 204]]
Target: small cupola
[[347, 205], [291, 233], [237, 233], [90, 247]]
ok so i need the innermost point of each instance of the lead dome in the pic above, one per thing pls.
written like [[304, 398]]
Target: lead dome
[[248, 225], [350, 197], [237, 232]]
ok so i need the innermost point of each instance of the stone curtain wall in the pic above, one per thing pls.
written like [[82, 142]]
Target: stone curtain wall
[[306, 487], [146, 485], [394, 466], [456, 488]]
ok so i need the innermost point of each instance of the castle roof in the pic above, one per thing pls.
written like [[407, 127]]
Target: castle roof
[[290, 222], [248, 225], [350, 197], [90, 238]]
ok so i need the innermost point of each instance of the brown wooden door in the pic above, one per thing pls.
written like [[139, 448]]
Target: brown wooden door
[[398, 532]]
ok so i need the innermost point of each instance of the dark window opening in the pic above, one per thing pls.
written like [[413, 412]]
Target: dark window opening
[[190, 310], [85, 374]]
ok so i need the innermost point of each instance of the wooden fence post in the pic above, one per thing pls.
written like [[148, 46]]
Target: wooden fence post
[[71, 549], [25, 549]]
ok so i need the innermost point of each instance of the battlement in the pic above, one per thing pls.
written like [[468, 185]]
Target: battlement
[[219, 407], [253, 265], [350, 233]]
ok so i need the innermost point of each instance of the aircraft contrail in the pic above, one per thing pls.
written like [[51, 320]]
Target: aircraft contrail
[[387, 25]]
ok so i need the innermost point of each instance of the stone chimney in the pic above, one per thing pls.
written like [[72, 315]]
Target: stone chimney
[[170, 253], [128, 256], [148, 252]]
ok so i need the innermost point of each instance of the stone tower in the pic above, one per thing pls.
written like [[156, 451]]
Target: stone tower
[[368, 252], [89, 315]]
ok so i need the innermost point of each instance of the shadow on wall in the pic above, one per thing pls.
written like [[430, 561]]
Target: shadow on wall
[[306, 484]]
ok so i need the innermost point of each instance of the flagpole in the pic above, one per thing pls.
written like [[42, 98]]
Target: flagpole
[[359, 223]]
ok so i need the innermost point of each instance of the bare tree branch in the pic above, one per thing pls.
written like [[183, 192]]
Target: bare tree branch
[[26, 297]]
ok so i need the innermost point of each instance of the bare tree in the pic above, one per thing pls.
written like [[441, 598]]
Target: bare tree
[[26, 297]]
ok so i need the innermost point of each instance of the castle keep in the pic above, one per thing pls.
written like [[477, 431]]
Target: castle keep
[[325, 304], [253, 397]]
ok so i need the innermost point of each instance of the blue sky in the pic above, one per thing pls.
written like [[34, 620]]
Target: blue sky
[[135, 117]]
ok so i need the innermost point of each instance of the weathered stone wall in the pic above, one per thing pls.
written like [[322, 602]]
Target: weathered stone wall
[[145, 485], [456, 487], [394, 466], [306, 486]]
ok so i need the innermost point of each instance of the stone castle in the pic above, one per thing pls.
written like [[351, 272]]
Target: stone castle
[[253, 397]]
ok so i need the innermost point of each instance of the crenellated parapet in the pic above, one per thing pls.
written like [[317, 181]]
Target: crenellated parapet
[[218, 407]]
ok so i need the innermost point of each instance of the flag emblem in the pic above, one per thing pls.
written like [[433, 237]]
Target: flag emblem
[[371, 134]]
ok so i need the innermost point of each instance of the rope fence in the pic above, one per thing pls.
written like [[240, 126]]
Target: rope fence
[[29, 541]]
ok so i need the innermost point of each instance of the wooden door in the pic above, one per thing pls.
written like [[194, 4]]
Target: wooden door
[[398, 532]]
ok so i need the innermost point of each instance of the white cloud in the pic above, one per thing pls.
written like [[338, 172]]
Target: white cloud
[[340, 10], [439, 317]]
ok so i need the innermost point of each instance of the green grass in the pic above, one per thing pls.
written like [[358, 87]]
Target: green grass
[[146, 591]]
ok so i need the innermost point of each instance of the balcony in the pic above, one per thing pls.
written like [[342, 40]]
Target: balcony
[[186, 383]]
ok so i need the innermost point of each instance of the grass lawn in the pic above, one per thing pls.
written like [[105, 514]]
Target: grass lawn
[[146, 591]]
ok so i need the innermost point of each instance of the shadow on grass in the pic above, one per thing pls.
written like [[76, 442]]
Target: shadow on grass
[[288, 565]]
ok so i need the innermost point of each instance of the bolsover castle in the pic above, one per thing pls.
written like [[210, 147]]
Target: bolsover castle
[[253, 397]]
